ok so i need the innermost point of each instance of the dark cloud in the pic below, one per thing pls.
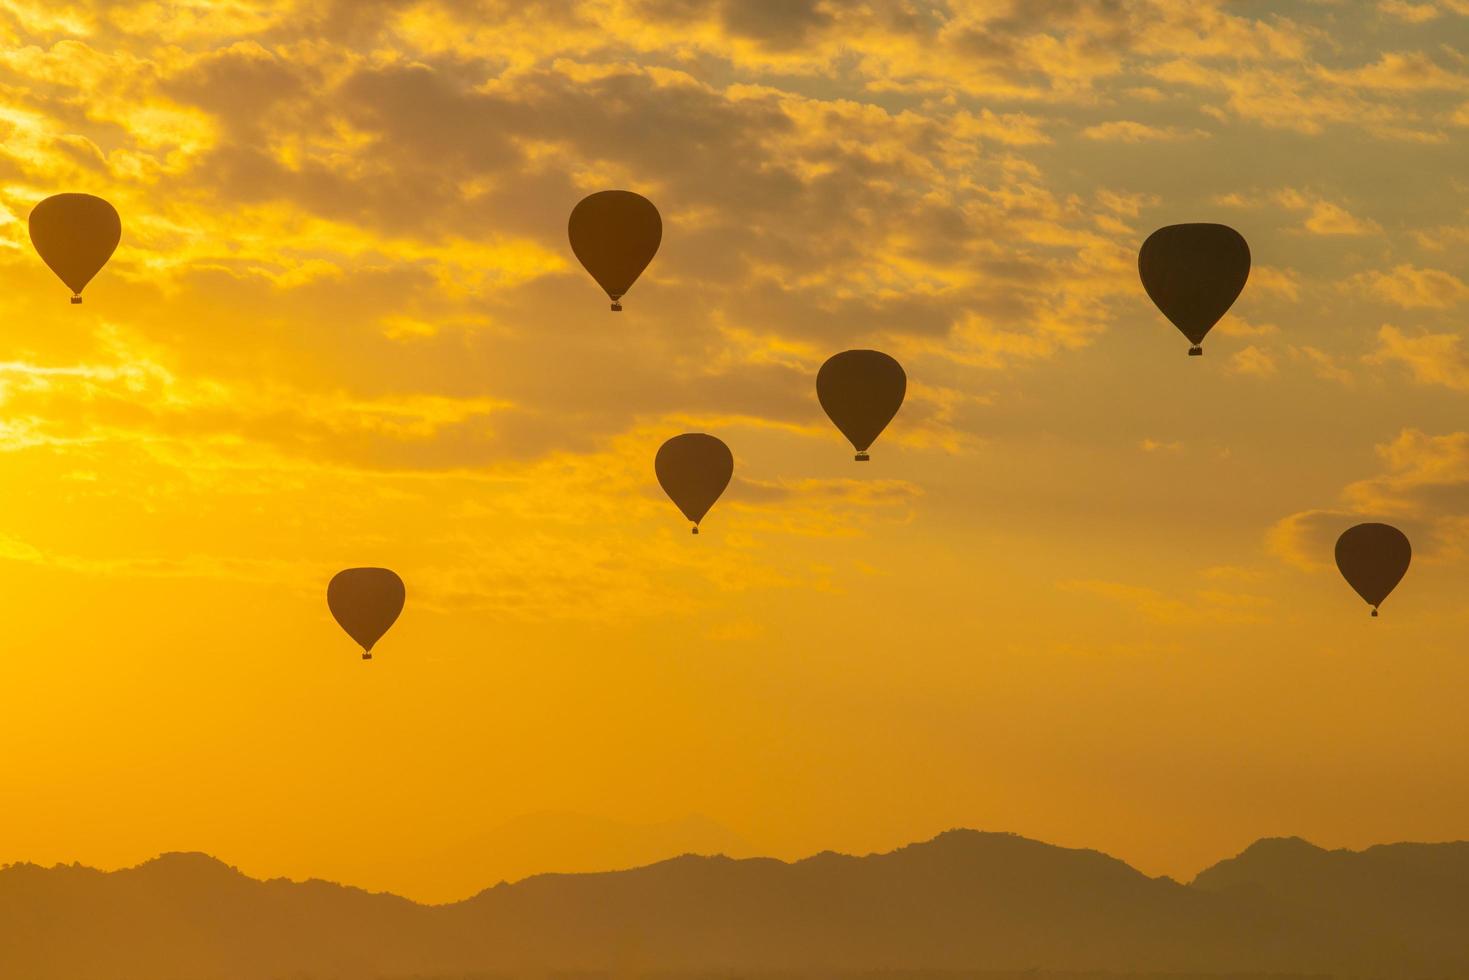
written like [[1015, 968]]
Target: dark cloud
[[443, 170], [242, 86], [789, 216], [782, 24]]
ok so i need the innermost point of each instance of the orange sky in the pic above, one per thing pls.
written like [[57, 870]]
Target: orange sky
[[1083, 591]]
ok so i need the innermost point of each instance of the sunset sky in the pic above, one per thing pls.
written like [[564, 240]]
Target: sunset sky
[[1083, 591]]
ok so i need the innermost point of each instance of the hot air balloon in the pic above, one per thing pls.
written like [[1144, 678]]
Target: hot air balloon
[[75, 234], [861, 391], [615, 234], [365, 602], [1373, 558], [693, 470], [1194, 273]]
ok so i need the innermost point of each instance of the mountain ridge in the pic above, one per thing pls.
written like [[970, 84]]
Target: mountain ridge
[[964, 900]]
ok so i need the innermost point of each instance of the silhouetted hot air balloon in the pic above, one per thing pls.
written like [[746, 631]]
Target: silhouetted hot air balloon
[[365, 602], [615, 234], [693, 470], [75, 234], [861, 391], [1194, 273], [1373, 558]]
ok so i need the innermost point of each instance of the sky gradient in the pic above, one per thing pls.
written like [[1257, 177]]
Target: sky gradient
[[1083, 590]]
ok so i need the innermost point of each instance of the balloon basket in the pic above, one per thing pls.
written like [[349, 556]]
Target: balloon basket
[[862, 457], [696, 529], [367, 656], [1196, 351], [616, 307], [76, 300], [1374, 613]]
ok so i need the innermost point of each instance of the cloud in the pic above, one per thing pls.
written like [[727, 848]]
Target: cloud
[[1324, 217], [1411, 71], [1127, 204], [1412, 13], [823, 508], [1423, 489], [1254, 361], [1131, 131], [136, 397], [1154, 445], [1432, 358], [1425, 474], [1306, 539], [1265, 360], [345, 222], [1323, 364], [1413, 288], [1441, 237], [427, 201], [1309, 97], [1284, 283], [1010, 128]]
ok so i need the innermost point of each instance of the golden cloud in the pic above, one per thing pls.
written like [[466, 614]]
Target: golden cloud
[[1412, 288]]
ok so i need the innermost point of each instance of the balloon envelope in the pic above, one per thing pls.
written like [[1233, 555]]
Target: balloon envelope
[[75, 234], [693, 470], [1194, 273], [861, 391], [365, 602], [1373, 558], [615, 235]]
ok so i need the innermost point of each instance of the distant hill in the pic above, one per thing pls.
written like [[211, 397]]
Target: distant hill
[[565, 841], [964, 902], [1399, 903]]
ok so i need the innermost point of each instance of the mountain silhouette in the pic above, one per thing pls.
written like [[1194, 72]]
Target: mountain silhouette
[[567, 841], [963, 902], [1398, 902]]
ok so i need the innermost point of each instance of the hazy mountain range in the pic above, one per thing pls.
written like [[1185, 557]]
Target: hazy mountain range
[[964, 902]]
